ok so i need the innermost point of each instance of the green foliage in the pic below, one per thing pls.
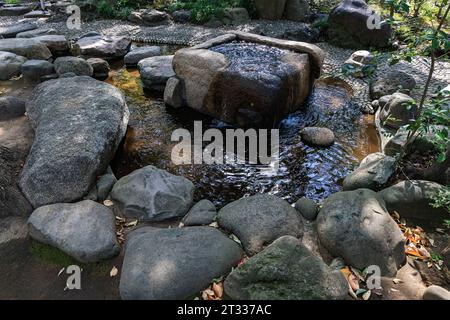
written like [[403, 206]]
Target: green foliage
[[203, 10], [13, 1], [442, 199], [117, 8]]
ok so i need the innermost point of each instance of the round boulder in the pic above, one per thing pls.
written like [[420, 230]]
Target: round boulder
[[202, 213], [285, 270], [169, 264], [258, 220], [153, 194], [391, 82], [10, 65], [78, 66], [85, 230], [356, 226], [317, 136]]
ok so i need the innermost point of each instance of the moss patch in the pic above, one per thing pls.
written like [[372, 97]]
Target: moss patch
[[50, 255]]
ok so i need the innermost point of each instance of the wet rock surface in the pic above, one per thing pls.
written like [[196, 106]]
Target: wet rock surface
[[242, 83], [317, 137]]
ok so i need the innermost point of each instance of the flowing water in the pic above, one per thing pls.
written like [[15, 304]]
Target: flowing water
[[303, 170]]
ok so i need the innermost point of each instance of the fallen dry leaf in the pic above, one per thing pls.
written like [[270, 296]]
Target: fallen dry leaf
[[218, 289], [131, 223], [114, 271], [353, 282], [366, 295], [108, 203]]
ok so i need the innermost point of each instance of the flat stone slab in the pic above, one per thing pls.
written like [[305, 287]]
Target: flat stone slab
[[12, 10], [12, 30], [28, 48], [133, 57], [104, 47]]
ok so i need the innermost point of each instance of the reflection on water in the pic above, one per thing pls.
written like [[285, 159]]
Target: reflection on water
[[304, 170]]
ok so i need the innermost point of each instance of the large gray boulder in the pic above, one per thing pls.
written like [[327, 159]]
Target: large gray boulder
[[348, 26], [373, 172], [285, 270], [356, 226], [174, 263], [28, 48], [270, 9], [246, 79], [10, 65], [153, 194], [85, 230], [79, 124], [133, 57], [155, 71], [104, 47], [413, 198], [12, 30], [390, 83], [78, 66], [400, 110], [258, 220]]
